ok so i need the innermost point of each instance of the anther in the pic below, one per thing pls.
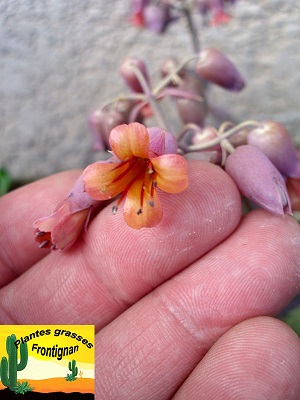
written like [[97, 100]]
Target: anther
[[39, 234], [139, 211], [45, 243], [114, 209], [151, 202]]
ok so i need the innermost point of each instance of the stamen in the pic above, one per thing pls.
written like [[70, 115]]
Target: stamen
[[53, 247], [40, 233], [44, 244], [139, 211]]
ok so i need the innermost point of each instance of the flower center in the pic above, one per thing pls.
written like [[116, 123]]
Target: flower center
[[140, 176]]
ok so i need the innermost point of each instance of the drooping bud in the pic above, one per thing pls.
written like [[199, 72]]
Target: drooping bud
[[258, 179], [103, 120], [215, 67], [275, 142], [127, 71]]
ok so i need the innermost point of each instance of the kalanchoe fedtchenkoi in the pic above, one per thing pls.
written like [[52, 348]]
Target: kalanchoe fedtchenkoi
[[143, 160], [258, 179], [61, 229], [275, 142], [215, 67]]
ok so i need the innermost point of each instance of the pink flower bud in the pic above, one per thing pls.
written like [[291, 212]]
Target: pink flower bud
[[275, 142], [102, 121], [258, 179], [215, 67], [206, 135], [157, 17], [128, 74]]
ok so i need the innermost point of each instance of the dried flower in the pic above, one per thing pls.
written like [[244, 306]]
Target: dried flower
[[143, 160], [258, 179], [215, 67], [61, 229]]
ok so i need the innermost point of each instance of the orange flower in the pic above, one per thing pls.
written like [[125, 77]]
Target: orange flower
[[143, 160]]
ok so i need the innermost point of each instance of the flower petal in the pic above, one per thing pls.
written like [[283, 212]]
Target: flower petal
[[161, 142], [141, 209], [104, 180], [171, 172], [128, 141]]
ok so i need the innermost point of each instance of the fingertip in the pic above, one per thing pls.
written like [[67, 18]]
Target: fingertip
[[259, 356]]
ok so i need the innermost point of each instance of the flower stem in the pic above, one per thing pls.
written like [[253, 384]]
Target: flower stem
[[192, 29], [170, 77], [151, 98]]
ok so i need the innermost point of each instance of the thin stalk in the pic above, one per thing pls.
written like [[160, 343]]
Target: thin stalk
[[225, 135], [151, 98]]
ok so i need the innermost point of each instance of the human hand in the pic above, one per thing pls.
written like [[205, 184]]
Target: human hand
[[182, 309]]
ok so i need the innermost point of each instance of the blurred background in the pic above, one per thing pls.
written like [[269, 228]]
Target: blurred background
[[59, 61]]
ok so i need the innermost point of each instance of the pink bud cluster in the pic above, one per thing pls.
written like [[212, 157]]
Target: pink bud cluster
[[187, 85]]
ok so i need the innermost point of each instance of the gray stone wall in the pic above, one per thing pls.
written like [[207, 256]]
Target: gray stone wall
[[59, 60]]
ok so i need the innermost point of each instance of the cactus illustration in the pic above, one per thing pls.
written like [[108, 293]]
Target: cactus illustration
[[10, 365], [73, 369]]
